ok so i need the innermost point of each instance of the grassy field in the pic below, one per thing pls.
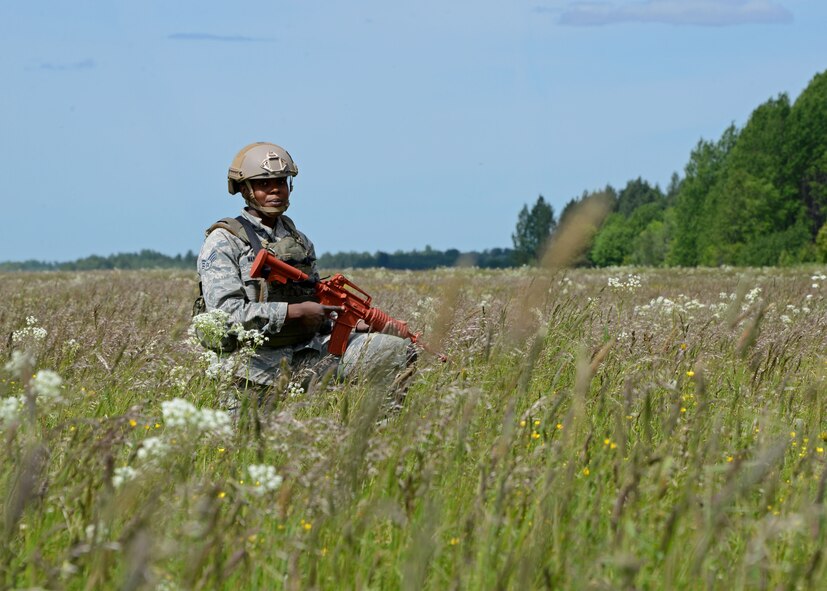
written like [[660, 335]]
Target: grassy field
[[614, 429]]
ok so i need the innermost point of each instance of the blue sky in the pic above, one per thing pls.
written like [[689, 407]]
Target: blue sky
[[413, 124]]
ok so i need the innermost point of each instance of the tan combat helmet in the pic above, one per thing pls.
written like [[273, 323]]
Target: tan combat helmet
[[259, 161]]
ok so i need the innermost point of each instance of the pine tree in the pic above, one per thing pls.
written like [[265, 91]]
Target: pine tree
[[534, 228]]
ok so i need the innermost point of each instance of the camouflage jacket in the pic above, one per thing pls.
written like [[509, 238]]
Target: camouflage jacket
[[224, 267]]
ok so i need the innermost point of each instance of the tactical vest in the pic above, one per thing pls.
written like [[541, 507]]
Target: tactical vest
[[291, 249]]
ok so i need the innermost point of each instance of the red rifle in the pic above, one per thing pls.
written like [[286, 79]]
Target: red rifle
[[334, 292]]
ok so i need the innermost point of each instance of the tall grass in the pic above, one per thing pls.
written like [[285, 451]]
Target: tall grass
[[596, 437]]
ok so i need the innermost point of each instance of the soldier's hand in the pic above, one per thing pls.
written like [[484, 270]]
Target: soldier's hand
[[310, 314]]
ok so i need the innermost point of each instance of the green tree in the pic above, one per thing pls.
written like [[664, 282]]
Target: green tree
[[706, 164], [534, 228], [649, 248], [805, 152], [612, 241], [631, 240], [637, 192]]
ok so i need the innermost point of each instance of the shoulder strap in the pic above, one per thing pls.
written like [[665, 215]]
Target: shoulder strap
[[232, 225], [241, 228], [291, 227], [252, 238]]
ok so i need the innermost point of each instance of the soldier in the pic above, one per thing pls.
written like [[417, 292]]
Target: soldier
[[294, 326]]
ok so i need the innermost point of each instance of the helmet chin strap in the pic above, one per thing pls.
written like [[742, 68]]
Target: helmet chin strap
[[268, 211]]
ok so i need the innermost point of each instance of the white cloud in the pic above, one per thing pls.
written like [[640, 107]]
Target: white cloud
[[714, 13]]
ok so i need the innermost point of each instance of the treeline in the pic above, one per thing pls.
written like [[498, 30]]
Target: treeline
[[756, 196], [145, 259], [495, 258], [150, 259]]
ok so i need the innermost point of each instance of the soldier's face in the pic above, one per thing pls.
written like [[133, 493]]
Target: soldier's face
[[271, 192]]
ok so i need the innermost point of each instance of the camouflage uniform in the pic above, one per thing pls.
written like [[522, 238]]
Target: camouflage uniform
[[224, 267]]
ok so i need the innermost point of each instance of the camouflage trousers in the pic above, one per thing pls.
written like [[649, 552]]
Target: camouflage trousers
[[383, 360]]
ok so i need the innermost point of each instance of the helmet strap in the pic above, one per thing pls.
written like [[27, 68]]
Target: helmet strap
[[268, 211]]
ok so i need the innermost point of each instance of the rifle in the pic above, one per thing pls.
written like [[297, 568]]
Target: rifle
[[337, 291]]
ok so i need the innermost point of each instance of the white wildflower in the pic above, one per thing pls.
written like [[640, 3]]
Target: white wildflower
[[46, 384], [30, 332], [485, 302], [152, 448], [122, 475], [630, 282], [786, 319], [211, 328], [294, 390], [180, 413], [753, 294], [264, 478], [10, 409], [214, 368], [215, 371], [251, 338], [20, 364], [215, 422]]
